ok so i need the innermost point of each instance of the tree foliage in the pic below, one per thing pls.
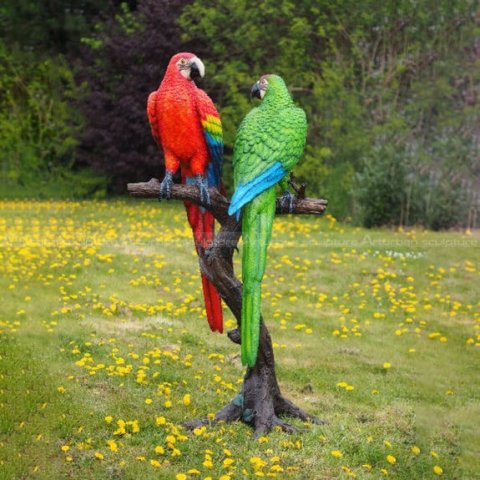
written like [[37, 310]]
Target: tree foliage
[[49, 26], [38, 128]]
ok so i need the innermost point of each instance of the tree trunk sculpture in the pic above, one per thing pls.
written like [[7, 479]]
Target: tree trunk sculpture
[[260, 402]]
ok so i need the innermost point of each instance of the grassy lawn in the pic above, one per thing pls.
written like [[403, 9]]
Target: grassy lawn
[[105, 349]]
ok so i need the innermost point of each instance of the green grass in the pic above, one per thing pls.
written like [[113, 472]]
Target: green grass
[[102, 310]]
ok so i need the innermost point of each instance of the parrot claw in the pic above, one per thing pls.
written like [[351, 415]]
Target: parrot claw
[[209, 250], [166, 186], [287, 199], [203, 189]]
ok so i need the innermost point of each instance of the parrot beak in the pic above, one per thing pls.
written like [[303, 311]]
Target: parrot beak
[[256, 92], [197, 69]]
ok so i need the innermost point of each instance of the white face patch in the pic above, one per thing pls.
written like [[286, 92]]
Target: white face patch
[[185, 67], [263, 84]]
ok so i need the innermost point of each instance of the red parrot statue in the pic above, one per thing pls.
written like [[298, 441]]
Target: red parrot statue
[[187, 126]]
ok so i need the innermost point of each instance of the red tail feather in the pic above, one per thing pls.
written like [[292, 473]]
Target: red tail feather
[[213, 305], [202, 223]]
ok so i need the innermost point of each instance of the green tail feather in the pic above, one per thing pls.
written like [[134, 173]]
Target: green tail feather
[[257, 224]]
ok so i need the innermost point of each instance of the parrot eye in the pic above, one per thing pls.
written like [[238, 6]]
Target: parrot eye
[[183, 61]]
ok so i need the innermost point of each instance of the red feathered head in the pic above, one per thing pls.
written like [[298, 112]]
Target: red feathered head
[[187, 64]]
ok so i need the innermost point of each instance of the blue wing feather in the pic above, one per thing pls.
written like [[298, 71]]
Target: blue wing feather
[[245, 193]]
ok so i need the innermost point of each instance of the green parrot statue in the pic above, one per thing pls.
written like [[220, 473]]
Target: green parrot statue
[[269, 143]]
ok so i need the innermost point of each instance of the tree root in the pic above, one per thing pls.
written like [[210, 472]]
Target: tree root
[[264, 420]]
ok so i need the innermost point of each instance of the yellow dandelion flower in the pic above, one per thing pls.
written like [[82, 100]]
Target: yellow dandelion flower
[[99, 456], [415, 450], [112, 444], [391, 459], [437, 470], [336, 453]]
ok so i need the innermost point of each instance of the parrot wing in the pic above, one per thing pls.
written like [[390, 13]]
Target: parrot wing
[[268, 146], [213, 134], [152, 115]]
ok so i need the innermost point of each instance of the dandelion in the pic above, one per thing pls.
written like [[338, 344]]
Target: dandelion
[[99, 456], [112, 444], [160, 421], [391, 459], [336, 454], [387, 365], [415, 450], [437, 470]]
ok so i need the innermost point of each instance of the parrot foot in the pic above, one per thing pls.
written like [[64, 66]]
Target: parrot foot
[[202, 185], [287, 199], [298, 189], [209, 250], [166, 186]]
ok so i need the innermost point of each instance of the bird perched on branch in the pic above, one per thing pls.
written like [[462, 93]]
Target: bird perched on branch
[[187, 126], [269, 143]]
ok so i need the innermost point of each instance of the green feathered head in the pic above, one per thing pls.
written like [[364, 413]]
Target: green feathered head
[[268, 86]]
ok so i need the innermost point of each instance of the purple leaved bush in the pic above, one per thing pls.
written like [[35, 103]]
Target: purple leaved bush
[[119, 71]]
